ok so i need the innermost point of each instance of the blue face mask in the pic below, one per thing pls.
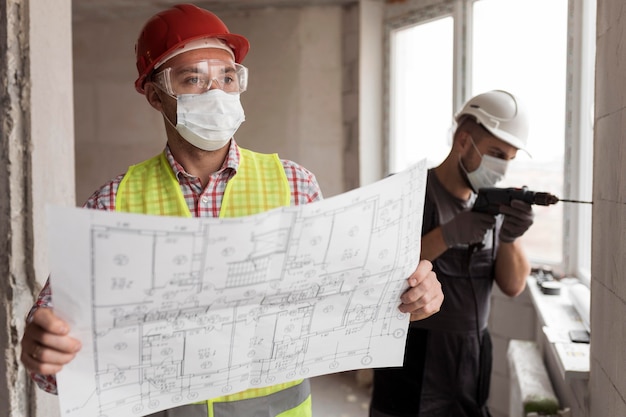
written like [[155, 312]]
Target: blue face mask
[[490, 171]]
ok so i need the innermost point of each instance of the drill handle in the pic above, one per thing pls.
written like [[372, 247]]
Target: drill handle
[[490, 199]]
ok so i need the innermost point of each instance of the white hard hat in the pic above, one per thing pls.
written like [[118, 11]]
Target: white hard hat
[[501, 113]]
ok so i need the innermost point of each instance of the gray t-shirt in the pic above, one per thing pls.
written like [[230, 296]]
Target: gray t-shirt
[[465, 272]]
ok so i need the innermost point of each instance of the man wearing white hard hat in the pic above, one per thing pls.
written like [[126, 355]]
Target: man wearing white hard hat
[[189, 69], [448, 357]]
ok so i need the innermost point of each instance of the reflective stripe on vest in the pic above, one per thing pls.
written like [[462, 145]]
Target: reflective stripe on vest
[[259, 185], [290, 402], [294, 401]]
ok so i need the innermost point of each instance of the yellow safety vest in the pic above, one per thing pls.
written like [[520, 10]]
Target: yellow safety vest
[[260, 184]]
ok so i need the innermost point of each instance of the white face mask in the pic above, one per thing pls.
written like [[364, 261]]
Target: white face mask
[[209, 120], [490, 171]]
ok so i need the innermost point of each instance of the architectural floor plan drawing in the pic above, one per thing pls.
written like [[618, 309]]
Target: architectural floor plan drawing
[[172, 311]]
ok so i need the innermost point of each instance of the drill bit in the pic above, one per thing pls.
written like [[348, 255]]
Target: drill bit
[[575, 201], [545, 199], [489, 200]]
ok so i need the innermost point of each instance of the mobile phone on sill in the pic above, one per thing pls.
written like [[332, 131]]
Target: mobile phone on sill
[[579, 336]]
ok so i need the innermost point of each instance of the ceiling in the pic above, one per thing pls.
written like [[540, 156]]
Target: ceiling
[[111, 9]]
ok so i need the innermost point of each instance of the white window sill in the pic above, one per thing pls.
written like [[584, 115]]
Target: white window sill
[[557, 316]]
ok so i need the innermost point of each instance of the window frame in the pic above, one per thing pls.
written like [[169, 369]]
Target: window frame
[[579, 99], [579, 134], [413, 17]]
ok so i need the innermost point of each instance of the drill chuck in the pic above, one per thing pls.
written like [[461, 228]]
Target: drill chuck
[[490, 199], [544, 199]]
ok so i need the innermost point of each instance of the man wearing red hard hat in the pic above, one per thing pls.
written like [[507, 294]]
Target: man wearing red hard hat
[[189, 69]]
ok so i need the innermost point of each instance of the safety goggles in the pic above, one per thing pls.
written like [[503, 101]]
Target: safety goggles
[[201, 76]]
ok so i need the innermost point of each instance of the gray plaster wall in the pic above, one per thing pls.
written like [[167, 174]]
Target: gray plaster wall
[[608, 266], [37, 169]]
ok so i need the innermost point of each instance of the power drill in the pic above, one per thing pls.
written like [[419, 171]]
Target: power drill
[[490, 199]]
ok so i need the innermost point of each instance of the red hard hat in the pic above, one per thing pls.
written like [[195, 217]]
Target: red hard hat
[[173, 28]]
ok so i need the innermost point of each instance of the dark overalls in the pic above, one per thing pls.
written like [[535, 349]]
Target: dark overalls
[[448, 356]]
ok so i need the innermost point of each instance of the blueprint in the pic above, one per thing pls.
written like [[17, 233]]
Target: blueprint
[[173, 310]]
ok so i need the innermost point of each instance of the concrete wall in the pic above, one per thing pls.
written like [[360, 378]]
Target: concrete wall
[[37, 155], [351, 71], [608, 290], [293, 104], [370, 110]]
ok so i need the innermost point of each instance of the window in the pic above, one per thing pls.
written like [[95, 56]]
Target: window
[[540, 50], [420, 92]]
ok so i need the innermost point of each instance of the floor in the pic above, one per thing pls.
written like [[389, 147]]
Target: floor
[[345, 394]]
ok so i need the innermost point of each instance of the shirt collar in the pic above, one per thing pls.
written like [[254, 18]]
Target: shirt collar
[[231, 161]]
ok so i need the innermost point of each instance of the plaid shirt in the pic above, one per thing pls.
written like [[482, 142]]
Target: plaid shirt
[[202, 202]]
